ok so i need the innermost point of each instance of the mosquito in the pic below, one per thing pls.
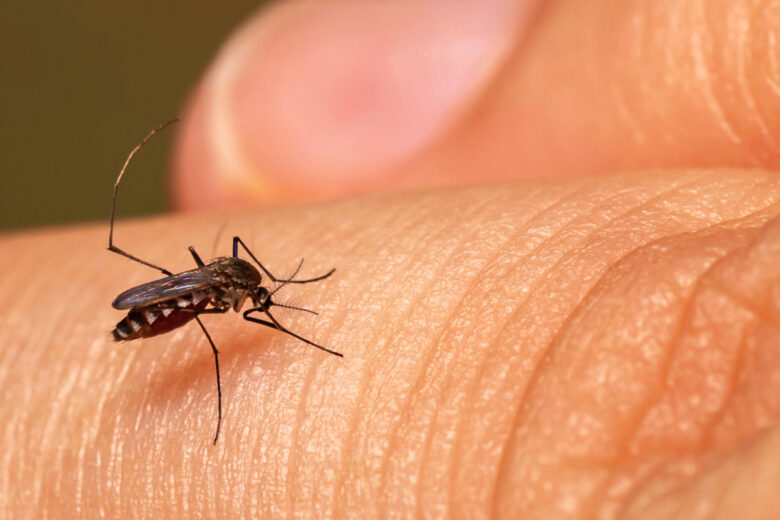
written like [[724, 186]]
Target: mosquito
[[225, 283]]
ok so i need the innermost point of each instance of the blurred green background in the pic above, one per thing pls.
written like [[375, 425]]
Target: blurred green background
[[81, 83]]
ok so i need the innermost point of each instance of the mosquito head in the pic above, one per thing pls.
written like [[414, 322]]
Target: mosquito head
[[262, 298]]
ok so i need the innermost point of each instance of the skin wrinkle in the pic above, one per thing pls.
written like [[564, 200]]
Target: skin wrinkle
[[117, 451], [316, 438], [425, 365], [745, 257], [758, 13], [532, 382], [655, 397], [16, 422], [666, 493], [366, 380], [625, 503], [536, 249], [366, 384], [315, 231], [593, 211], [544, 355], [705, 278], [292, 456], [267, 405], [773, 75], [640, 41], [301, 410], [113, 474], [675, 77], [642, 480], [741, 350], [11, 357], [681, 324], [546, 352], [47, 470], [418, 385], [566, 226], [170, 389], [112, 482], [154, 414], [747, 36], [260, 461], [433, 351], [157, 388], [59, 408], [270, 431], [739, 365], [715, 103], [549, 210], [405, 409]]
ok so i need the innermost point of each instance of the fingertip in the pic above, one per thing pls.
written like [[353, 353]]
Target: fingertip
[[315, 99]]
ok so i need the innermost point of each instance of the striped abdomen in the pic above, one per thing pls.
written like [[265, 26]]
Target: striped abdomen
[[160, 317]]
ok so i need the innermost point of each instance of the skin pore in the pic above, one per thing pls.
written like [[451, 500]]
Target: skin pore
[[585, 327]]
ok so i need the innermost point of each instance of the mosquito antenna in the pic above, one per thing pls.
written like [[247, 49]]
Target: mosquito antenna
[[124, 168], [111, 246], [290, 279], [294, 308]]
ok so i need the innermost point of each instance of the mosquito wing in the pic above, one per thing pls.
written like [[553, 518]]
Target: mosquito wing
[[167, 288]]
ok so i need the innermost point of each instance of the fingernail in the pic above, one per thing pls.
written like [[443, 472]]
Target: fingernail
[[329, 96]]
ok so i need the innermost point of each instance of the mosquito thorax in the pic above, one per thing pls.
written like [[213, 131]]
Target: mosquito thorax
[[237, 272]]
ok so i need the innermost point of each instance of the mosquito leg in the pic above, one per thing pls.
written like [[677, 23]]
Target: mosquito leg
[[115, 249], [111, 246], [276, 325], [196, 256], [219, 384], [237, 241]]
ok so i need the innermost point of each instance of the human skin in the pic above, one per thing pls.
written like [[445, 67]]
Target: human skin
[[584, 347], [582, 344]]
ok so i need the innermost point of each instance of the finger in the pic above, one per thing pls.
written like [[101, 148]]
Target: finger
[[522, 350], [585, 88], [609, 86], [314, 98]]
